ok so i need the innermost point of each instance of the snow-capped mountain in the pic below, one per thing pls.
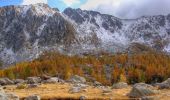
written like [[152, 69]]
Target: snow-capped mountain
[[27, 31], [117, 34]]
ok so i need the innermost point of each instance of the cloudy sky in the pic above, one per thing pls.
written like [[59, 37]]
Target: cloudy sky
[[118, 8]]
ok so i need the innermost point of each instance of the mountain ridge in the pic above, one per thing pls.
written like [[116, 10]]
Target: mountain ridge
[[28, 30]]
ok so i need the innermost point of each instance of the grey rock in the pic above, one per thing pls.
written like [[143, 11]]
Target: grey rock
[[107, 90], [12, 96], [77, 79], [164, 85], [33, 97], [149, 98], [18, 81], [80, 85], [8, 96], [45, 77], [83, 98], [140, 91], [6, 81], [3, 96], [143, 85], [75, 90], [96, 83], [52, 80], [61, 81], [120, 85], [33, 80]]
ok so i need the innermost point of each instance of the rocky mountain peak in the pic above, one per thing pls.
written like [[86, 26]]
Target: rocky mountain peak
[[28, 30]]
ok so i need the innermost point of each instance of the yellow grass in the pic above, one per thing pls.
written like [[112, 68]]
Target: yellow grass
[[60, 91]]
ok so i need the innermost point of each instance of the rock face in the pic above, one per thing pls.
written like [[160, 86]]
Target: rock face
[[77, 79], [27, 31], [120, 85], [140, 91]]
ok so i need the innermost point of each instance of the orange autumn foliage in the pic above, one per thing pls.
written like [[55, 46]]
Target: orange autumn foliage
[[144, 67]]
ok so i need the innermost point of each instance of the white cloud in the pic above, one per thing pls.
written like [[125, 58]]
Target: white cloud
[[71, 2], [129, 8], [27, 2]]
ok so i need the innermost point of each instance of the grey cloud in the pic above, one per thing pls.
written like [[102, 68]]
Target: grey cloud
[[137, 8]]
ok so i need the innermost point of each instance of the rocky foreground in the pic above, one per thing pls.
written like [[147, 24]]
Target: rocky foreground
[[53, 88]]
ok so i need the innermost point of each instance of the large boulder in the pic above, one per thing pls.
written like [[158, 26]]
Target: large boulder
[[33, 80], [33, 97], [6, 81], [164, 85], [120, 85], [77, 79], [141, 91]]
